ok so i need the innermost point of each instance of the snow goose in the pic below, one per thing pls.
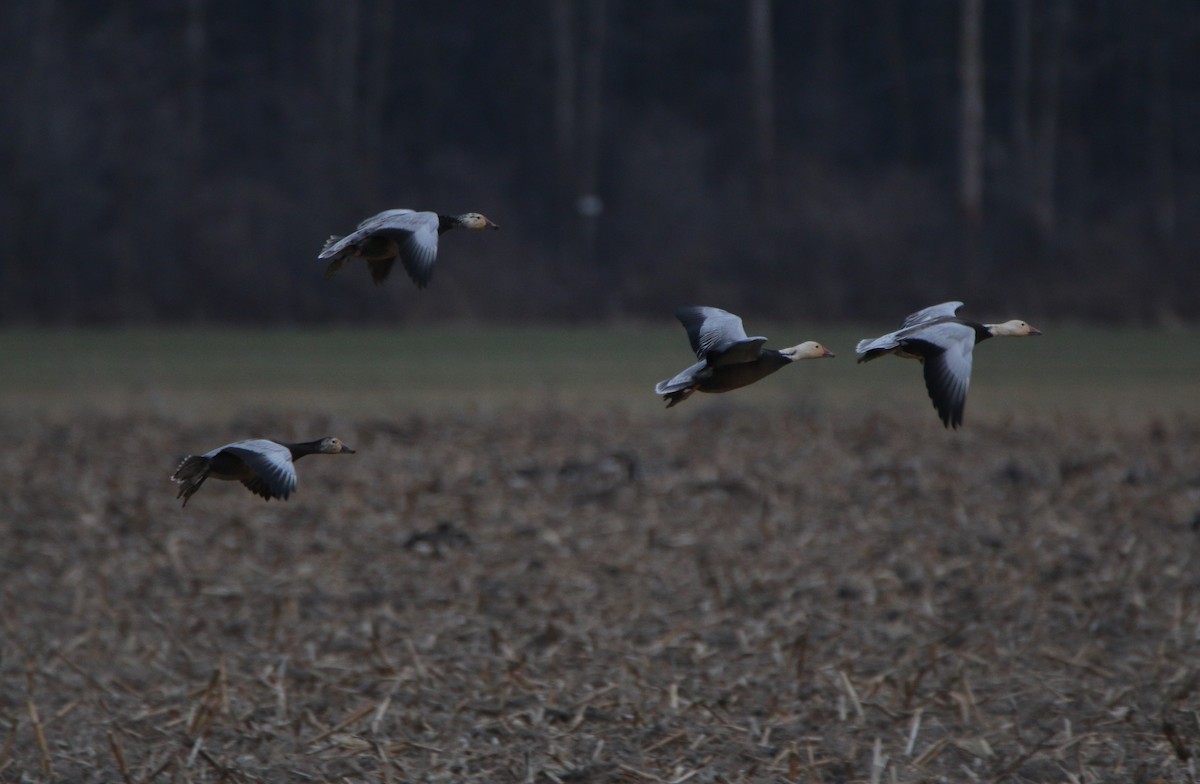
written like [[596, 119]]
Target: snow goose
[[728, 358], [411, 236], [943, 343], [265, 467]]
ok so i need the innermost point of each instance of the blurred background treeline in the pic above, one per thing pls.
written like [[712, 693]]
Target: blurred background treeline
[[183, 161]]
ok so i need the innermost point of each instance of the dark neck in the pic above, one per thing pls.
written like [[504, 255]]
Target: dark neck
[[981, 332], [301, 448], [773, 358], [447, 222]]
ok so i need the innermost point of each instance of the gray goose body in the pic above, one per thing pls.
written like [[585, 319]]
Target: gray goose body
[[727, 357], [267, 468], [401, 234]]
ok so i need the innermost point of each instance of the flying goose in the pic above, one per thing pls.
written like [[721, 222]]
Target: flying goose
[[943, 343], [728, 358], [265, 467], [411, 236]]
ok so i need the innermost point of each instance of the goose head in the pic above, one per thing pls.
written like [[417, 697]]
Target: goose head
[[1013, 329], [474, 220], [333, 446], [810, 349]]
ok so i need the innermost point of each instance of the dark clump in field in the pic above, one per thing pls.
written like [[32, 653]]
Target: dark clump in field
[[561, 597]]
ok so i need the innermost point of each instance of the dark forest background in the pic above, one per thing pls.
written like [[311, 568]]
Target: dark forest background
[[818, 159]]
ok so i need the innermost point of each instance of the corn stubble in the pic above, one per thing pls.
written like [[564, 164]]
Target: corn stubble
[[563, 596]]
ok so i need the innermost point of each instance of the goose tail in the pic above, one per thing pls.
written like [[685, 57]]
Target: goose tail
[[190, 474], [676, 390], [872, 348]]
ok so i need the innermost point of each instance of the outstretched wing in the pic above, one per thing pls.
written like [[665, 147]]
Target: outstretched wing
[[416, 235], [336, 245], [385, 217], [931, 313], [947, 368], [419, 251], [275, 475], [914, 327], [717, 336]]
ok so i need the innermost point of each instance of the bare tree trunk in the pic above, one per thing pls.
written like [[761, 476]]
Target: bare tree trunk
[[28, 208], [971, 131], [1045, 152], [196, 47], [188, 223], [893, 44], [128, 283], [762, 110], [1022, 70], [340, 53], [347, 71], [1179, 267], [565, 142], [376, 87], [589, 163], [971, 144], [337, 39], [762, 96], [828, 69], [1159, 132]]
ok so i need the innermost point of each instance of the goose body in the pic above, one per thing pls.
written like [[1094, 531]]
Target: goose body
[[407, 235], [267, 468], [727, 358], [944, 343]]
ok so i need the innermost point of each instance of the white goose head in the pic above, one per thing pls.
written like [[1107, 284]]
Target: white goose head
[[808, 350], [1013, 329]]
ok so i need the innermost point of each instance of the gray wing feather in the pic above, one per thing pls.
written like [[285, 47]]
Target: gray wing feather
[[944, 310], [271, 461], [419, 251], [335, 245], [416, 234], [948, 373], [914, 327], [398, 224], [718, 336], [384, 217]]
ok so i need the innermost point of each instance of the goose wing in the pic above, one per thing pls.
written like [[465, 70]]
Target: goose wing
[[366, 228], [931, 313], [717, 336], [275, 475], [948, 351], [416, 235], [419, 252], [912, 328], [383, 218]]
